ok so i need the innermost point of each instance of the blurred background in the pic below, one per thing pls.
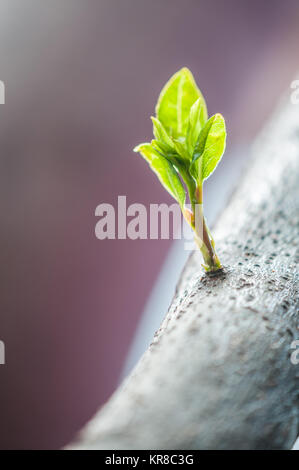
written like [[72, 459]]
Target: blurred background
[[82, 79]]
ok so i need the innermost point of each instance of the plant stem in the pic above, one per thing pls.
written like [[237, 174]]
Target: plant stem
[[190, 183], [203, 236]]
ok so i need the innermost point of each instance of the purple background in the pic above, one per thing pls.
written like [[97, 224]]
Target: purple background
[[82, 79]]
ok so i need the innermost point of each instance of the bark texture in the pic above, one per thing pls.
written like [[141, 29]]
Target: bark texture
[[218, 373]]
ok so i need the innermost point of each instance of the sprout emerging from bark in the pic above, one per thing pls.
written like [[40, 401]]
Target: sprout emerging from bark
[[187, 147]]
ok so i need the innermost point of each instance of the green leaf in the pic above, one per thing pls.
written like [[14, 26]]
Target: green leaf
[[209, 148], [175, 101], [168, 146], [162, 137], [180, 147], [165, 171], [197, 118], [172, 156]]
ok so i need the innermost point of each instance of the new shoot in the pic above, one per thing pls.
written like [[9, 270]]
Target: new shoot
[[186, 150]]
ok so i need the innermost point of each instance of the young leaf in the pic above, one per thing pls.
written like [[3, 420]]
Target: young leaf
[[215, 146], [163, 149], [170, 147], [162, 137], [197, 118], [175, 101], [164, 170], [180, 147], [209, 148]]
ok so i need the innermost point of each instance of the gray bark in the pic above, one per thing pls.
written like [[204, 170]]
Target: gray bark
[[218, 373]]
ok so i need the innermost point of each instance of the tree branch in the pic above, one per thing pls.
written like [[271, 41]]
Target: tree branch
[[218, 373]]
